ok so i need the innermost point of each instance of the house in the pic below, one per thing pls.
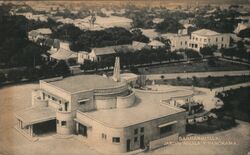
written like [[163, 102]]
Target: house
[[137, 46], [241, 26], [204, 37], [154, 44], [62, 53], [97, 54], [104, 112], [82, 56], [179, 42], [41, 33]]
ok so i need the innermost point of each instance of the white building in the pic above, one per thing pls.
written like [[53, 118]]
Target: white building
[[179, 42], [204, 37], [103, 112]]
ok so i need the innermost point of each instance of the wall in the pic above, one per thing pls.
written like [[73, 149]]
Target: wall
[[95, 139], [68, 117], [151, 132], [126, 101], [82, 95], [179, 42]]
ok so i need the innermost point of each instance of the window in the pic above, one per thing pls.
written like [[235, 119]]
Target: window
[[63, 123], [82, 103], [165, 129], [104, 136], [181, 42], [57, 121], [185, 42], [222, 45], [216, 39], [209, 40], [205, 40], [221, 38], [54, 99], [135, 139], [116, 139], [142, 129], [48, 96], [135, 131]]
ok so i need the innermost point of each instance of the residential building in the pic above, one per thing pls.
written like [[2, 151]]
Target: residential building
[[97, 54], [104, 112], [154, 44], [204, 37]]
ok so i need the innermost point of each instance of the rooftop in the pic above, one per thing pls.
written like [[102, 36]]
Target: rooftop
[[156, 43], [205, 32], [104, 50], [85, 82], [147, 107], [35, 115], [63, 54]]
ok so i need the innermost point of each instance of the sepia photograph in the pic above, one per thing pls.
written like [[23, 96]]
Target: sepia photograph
[[124, 77]]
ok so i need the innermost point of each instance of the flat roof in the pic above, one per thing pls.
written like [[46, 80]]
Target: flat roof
[[147, 107], [85, 82], [35, 115]]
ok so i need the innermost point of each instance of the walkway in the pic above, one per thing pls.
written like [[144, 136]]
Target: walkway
[[197, 74]]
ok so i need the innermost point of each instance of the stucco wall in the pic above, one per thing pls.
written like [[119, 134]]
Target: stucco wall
[[95, 139], [151, 132], [125, 101], [68, 117]]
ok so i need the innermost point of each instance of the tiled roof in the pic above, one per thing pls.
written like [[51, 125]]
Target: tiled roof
[[205, 32], [63, 54]]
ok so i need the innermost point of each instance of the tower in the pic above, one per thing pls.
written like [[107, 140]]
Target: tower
[[116, 73]]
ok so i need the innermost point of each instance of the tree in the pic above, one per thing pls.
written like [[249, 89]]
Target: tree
[[61, 68], [169, 25], [244, 33], [208, 50], [15, 75], [2, 77]]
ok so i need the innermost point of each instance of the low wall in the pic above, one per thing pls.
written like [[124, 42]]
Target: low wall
[[126, 101], [163, 141]]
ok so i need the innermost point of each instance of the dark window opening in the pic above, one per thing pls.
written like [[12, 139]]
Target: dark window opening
[[63, 123], [142, 129], [116, 139], [135, 131], [135, 139], [165, 129]]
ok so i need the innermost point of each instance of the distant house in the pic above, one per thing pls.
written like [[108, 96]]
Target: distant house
[[154, 44], [205, 37], [97, 54], [179, 42], [82, 56], [241, 26], [63, 53], [41, 33], [137, 46], [150, 33]]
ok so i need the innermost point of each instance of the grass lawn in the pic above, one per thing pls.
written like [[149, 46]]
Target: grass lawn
[[200, 66], [236, 103], [208, 82]]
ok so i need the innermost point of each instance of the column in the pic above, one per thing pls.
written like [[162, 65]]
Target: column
[[77, 128], [31, 130]]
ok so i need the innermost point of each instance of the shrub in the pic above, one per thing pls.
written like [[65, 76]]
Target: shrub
[[2, 77], [15, 75]]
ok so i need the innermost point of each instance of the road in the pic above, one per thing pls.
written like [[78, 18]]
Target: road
[[197, 74], [236, 86]]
